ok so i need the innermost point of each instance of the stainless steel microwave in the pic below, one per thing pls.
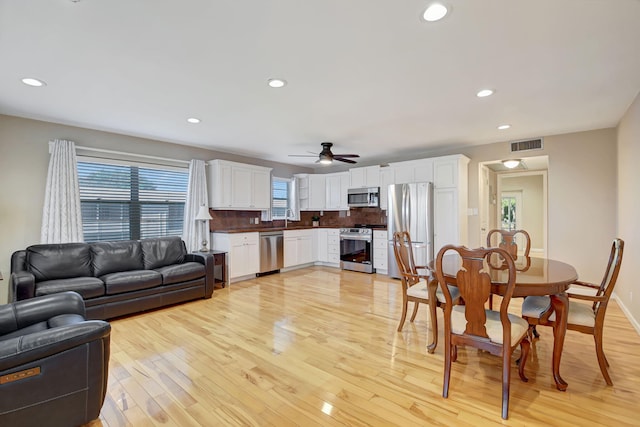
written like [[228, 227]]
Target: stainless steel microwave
[[364, 197]]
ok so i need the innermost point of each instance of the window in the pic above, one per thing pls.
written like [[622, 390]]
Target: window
[[279, 197], [126, 201]]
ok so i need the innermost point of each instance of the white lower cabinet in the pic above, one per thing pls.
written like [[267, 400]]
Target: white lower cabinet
[[328, 246], [243, 252], [321, 236], [298, 247], [380, 251]]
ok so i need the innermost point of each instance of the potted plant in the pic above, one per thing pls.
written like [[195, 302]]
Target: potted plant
[[315, 220]]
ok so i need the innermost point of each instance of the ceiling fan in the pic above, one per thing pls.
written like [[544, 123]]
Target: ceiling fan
[[327, 157]]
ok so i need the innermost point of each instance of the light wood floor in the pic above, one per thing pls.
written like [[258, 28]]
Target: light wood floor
[[319, 346]]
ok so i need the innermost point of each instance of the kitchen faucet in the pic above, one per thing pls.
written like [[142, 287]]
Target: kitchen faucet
[[286, 216]]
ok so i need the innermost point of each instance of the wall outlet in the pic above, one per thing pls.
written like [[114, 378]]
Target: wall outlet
[[258, 220], [630, 296], [348, 212]]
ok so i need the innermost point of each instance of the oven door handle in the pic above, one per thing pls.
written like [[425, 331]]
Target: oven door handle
[[366, 238]]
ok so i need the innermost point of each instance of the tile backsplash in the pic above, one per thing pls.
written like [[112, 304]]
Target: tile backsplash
[[238, 220]]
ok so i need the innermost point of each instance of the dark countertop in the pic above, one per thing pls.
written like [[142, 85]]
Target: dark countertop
[[265, 229]]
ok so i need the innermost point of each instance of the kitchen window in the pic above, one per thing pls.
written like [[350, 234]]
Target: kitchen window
[[280, 197], [128, 201]]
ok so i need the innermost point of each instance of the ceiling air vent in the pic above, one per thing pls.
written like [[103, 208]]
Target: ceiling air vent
[[527, 144]]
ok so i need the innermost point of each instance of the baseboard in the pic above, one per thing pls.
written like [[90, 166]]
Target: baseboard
[[627, 313]]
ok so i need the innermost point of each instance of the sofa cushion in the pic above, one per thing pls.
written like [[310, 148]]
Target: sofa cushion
[[181, 272], [58, 261], [88, 287], [127, 281], [112, 257], [162, 251]]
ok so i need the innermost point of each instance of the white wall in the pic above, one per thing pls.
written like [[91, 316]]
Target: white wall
[[629, 210], [581, 180], [24, 160], [581, 195], [532, 214]]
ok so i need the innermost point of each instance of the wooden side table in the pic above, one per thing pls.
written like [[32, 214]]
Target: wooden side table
[[220, 269]]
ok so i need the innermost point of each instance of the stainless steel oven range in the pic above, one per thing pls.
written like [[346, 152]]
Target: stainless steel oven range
[[356, 249]]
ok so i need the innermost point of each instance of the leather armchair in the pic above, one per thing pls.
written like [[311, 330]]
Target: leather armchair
[[53, 362]]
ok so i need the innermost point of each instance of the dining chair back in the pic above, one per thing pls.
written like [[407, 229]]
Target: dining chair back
[[416, 281], [585, 318], [471, 324], [507, 241]]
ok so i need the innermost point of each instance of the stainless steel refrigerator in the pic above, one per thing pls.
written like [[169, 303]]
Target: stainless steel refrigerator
[[410, 208]]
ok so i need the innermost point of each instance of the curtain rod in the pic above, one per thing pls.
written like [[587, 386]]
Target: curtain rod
[[122, 153]]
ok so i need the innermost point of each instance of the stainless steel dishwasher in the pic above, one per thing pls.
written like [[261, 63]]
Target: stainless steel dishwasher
[[271, 251]]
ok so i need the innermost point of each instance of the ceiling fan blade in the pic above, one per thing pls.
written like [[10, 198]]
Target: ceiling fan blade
[[303, 155], [346, 155], [340, 159]]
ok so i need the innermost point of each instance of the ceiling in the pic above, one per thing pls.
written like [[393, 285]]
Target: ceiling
[[368, 75]]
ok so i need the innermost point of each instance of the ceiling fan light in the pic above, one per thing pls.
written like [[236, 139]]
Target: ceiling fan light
[[325, 159], [511, 163]]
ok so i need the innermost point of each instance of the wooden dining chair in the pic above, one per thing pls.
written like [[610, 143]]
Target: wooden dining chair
[[416, 280], [585, 318], [507, 241], [497, 332]]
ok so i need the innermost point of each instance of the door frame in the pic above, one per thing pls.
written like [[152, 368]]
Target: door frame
[[545, 197]]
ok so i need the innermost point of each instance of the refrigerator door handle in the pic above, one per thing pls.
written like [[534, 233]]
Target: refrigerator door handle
[[406, 206]]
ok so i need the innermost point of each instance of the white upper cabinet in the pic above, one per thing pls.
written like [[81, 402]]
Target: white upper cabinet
[[234, 185], [317, 192], [337, 185], [447, 170], [413, 171], [302, 180], [364, 177], [387, 177]]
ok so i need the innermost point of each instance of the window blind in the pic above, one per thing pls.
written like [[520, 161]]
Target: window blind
[[123, 202], [279, 198]]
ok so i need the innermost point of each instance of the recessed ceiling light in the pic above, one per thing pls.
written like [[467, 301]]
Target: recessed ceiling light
[[33, 82], [484, 92], [503, 127], [277, 83], [435, 12], [193, 120]]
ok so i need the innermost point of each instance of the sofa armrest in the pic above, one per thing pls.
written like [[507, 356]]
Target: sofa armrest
[[207, 260], [28, 348], [20, 314], [23, 286]]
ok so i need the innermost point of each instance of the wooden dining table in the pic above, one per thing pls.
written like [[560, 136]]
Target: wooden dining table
[[534, 277]]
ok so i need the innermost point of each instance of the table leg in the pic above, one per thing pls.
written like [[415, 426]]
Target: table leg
[[560, 303]]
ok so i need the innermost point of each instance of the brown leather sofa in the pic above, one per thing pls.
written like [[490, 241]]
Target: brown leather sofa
[[53, 362], [114, 278]]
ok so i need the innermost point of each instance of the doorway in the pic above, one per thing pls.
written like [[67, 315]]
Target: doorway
[[515, 199]]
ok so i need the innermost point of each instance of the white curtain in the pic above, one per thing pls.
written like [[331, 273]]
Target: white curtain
[[267, 215], [61, 214], [294, 201], [193, 232]]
